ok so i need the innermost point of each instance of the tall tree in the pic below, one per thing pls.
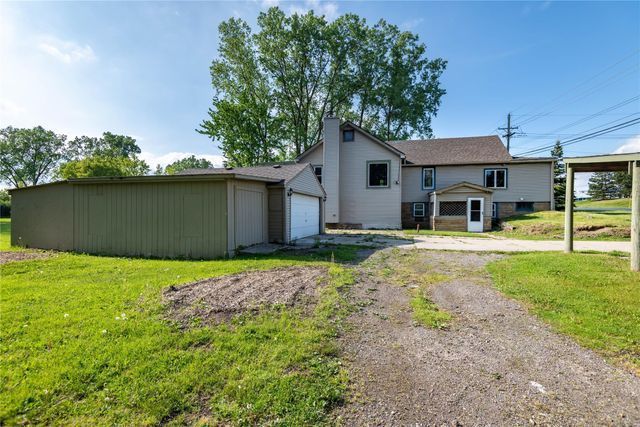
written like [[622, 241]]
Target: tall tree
[[29, 156], [623, 184], [602, 186], [297, 68], [243, 117], [559, 177], [191, 162], [110, 155]]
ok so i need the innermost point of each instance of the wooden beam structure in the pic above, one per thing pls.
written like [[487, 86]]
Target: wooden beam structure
[[629, 162]]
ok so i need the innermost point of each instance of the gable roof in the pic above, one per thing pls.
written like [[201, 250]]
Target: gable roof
[[466, 184], [451, 151], [348, 123], [280, 172]]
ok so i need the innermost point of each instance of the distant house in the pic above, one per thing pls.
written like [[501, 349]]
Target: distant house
[[443, 184]]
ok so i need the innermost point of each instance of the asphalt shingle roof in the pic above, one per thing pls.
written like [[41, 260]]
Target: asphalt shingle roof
[[451, 151], [284, 172]]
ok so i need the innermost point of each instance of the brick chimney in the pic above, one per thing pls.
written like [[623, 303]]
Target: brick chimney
[[331, 168]]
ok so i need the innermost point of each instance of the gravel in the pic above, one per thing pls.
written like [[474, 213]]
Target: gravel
[[219, 299], [12, 256], [494, 365]]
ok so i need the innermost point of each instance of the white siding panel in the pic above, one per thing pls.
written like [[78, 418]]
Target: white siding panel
[[371, 207], [530, 182], [306, 183]]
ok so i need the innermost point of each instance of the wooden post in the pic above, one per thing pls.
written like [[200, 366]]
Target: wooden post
[[568, 212], [635, 217]]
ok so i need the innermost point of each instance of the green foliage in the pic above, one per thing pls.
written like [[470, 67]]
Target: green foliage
[[191, 162], [605, 204], [5, 234], [273, 88], [623, 181], [425, 311], [5, 197], [110, 155], [602, 186], [70, 357], [29, 156], [592, 297], [559, 177], [103, 166]]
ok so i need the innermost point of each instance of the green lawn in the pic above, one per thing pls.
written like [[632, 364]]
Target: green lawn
[[594, 298], [587, 226], [69, 358], [606, 204], [5, 234]]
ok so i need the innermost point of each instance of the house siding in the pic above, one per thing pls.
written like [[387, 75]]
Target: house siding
[[530, 181], [368, 207]]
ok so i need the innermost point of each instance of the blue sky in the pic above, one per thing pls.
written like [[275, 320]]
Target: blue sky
[[142, 68]]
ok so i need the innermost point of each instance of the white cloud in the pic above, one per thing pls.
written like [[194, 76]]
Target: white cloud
[[166, 158], [269, 3], [631, 145], [411, 24], [328, 9], [66, 51], [9, 107]]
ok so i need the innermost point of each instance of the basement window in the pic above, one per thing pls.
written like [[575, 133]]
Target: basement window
[[348, 135], [418, 210], [377, 174], [524, 206]]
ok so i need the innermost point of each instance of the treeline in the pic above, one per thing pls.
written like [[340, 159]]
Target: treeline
[[31, 156], [272, 87], [609, 185]]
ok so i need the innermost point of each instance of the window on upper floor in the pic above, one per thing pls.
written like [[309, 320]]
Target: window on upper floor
[[428, 178], [378, 174], [348, 135], [495, 178], [318, 171]]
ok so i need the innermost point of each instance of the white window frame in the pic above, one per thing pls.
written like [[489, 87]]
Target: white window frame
[[495, 177], [424, 213], [379, 162], [433, 178]]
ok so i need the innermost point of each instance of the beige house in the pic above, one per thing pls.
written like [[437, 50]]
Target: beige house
[[448, 184]]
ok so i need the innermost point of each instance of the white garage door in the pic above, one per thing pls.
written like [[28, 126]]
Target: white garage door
[[305, 216]]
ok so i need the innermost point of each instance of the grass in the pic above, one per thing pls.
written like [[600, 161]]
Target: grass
[[83, 340], [413, 232], [5, 234], [594, 298], [605, 204], [425, 311], [587, 226]]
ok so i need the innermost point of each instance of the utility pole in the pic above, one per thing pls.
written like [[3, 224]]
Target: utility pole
[[509, 131]]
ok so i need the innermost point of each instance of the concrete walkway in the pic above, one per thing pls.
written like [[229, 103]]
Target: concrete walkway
[[510, 245]]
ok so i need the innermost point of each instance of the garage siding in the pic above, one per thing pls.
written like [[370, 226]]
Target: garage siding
[[42, 217], [276, 215], [170, 220], [304, 183], [251, 212]]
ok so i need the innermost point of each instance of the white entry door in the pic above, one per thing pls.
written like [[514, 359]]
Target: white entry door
[[305, 216], [475, 215]]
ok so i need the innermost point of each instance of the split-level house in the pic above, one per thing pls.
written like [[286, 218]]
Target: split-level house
[[459, 184]]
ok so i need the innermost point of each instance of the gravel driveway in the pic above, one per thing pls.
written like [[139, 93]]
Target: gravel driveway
[[495, 364]]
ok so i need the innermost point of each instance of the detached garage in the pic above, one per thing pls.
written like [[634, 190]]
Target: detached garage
[[206, 213]]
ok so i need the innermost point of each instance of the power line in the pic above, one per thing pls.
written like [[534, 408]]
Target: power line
[[586, 137], [623, 59]]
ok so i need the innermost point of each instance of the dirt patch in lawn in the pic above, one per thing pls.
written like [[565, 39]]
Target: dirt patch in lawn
[[219, 299], [12, 256]]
